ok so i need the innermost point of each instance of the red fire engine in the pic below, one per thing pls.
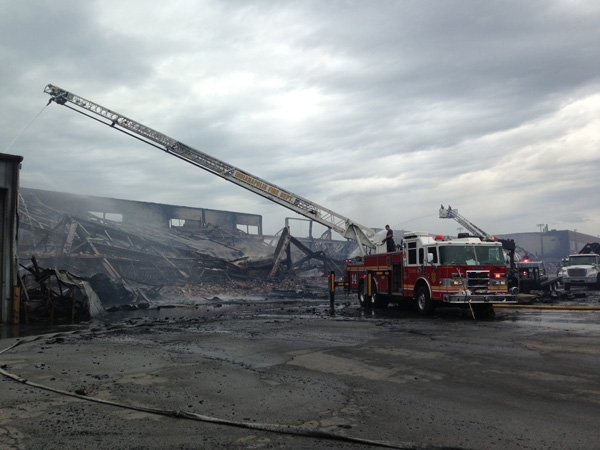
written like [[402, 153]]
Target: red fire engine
[[465, 271]]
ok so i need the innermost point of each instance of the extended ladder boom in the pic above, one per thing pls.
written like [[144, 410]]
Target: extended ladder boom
[[450, 213], [349, 229]]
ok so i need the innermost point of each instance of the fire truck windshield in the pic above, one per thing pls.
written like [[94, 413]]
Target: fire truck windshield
[[470, 255]]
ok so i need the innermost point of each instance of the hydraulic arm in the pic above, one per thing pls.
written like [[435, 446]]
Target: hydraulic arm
[[364, 236], [507, 244], [450, 213]]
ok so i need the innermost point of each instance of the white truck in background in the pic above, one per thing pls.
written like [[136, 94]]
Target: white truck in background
[[581, 270]]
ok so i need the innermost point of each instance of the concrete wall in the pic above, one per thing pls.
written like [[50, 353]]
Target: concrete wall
[[10, 166], [551, 244]]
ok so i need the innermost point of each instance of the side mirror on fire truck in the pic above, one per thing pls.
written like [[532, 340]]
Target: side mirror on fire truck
[[429, 258]]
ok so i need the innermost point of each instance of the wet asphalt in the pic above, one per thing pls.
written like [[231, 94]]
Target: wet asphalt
[[294, 373]]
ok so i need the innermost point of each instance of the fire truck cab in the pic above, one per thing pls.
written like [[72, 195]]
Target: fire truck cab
[[430, 271]]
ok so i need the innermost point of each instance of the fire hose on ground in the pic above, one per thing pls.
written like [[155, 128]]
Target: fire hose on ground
[[550, 307], [267, 427]]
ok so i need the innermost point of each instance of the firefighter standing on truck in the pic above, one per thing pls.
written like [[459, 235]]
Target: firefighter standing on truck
[[389, 239]]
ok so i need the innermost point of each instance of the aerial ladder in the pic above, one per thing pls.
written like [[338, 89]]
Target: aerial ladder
[[449, 213], [349, 229], [508, 244]]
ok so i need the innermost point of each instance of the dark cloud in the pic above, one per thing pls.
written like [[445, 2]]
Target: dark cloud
[[380, 111]]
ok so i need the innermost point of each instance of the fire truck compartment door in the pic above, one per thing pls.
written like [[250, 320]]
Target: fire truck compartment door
[[397, 277]]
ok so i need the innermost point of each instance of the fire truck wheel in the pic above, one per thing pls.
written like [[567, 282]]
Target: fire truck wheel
[[363, 297], [425, 305], [379, 300]]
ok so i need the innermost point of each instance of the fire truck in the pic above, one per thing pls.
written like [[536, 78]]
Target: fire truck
[[466, 271], [433, 270]]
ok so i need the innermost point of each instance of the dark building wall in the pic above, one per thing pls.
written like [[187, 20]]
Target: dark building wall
[[149, 214], [10, 166]]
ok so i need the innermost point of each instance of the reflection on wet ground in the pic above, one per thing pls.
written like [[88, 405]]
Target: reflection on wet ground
[[344, 307]]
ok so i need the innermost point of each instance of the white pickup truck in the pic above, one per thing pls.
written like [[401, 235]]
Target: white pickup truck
[[581, 270]]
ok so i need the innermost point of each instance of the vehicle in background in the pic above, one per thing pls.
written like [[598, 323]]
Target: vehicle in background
[[532, 276], [581, 270]]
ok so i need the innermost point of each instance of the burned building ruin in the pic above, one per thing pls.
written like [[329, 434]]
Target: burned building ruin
[[132, 253]]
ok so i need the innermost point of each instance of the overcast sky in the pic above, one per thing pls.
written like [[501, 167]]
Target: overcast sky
[[378, 110]]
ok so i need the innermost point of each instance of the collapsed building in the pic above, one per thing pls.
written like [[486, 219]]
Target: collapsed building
[[133, 253]]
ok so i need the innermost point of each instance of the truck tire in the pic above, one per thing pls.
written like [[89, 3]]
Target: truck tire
[[363, 297], [375, 300], [378, 300], [425, 305], [513, 282]]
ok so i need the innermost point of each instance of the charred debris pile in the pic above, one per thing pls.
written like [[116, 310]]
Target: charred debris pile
[[67, 260]]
